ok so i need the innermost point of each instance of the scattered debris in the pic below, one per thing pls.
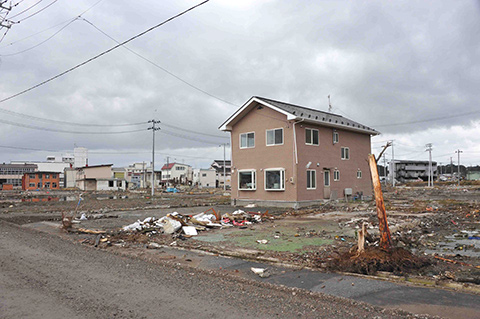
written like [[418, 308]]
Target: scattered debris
[[261, 272]]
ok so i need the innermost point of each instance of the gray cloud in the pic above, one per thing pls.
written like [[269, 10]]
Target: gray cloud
[[381, 62]]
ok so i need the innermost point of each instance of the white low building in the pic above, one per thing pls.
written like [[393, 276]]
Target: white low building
[[204, 177]]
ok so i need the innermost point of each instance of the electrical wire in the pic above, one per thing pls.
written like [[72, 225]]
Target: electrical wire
[[25, 148], [190, 131], [160, 67], [35, 13], [187, 137], [33, 5], [428, 120], [77, 16], [65, 131], [38, 44], [99, 55]]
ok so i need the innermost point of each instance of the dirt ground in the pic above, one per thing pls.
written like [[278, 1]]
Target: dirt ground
[[440, 226]]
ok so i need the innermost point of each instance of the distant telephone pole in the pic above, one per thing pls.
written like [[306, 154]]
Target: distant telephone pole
[[224, 167], [458, 152], [430, 170], [153, 128], [393, 166]]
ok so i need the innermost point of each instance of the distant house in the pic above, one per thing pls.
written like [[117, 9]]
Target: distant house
[[204, 177], [177, 173], [217, 165], [289, 155], [98, 178]]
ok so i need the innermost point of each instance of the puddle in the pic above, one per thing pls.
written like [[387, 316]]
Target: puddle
[[463, 243]]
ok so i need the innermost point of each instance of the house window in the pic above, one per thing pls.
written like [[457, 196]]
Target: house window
[[275, 179], [311, 136], [54, 185], [110, 183], [345, 153], [31, 185], [247, 140], [326, 178], [119, 183], [39, 185], [275, 137], [47, 175], [336, 175], [54, 175], [204, 175], [31, 175], [247, 180], [335, 137], [311, 179], [359, 173], [47, 184]]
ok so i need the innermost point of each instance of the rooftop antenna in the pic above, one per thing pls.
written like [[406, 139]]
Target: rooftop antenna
[[329, 105]]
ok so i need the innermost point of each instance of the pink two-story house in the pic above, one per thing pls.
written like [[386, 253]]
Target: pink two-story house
[[289, 155]]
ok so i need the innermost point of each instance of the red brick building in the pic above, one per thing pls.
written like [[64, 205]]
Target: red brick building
[[41, 180]]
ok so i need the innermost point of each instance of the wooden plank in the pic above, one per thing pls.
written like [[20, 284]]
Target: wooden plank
[[385, 237]]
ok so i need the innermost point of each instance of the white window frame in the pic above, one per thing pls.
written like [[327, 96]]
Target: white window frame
[[345, 153], [282, 179], [336, 175], [254, 175], [359, 173], [273, 130], [311, 136], [240, 140], [314, 179], [336, 137]]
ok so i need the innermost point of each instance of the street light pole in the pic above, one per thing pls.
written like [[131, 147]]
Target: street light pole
[[153, 128], [224, 167]]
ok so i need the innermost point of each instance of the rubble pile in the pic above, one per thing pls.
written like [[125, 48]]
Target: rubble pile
[[188, 225]]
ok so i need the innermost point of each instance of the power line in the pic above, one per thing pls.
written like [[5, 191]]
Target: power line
[[195, 132], [38, 44], [77, 16], [160, 67], [26, 148], [187, 137], [101, 54], [33, 5], [35, 13], [428, 120], [65, 131]]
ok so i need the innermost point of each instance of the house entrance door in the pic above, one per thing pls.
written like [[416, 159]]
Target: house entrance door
[[326, 184]]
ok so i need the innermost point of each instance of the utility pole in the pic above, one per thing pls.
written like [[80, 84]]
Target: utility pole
[[393, 165], [430, 170], [153, 128], [144, 175], [224, 167], [458, 152], [451, 166], [385, 168]]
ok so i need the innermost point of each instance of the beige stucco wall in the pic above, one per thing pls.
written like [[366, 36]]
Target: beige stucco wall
[[327, 155], [263, 157], [324, 156]]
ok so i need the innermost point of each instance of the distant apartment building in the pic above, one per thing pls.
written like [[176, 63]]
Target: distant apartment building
[[59, 164], [12, 174], [218, 166], [204, 177], [407, 170], [41, 181]]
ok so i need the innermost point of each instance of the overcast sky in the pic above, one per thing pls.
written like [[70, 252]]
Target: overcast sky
[[383, 63]]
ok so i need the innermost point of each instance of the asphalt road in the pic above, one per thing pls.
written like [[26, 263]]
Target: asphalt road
[[44, 276]]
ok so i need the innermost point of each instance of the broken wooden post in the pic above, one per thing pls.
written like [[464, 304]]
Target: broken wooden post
[[385, 238], [361, 239]]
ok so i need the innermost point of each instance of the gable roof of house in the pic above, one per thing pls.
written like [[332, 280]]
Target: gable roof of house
[[170, 165], [296, 112]]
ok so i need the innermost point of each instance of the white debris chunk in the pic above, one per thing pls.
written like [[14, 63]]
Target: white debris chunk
[[189, 230]]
